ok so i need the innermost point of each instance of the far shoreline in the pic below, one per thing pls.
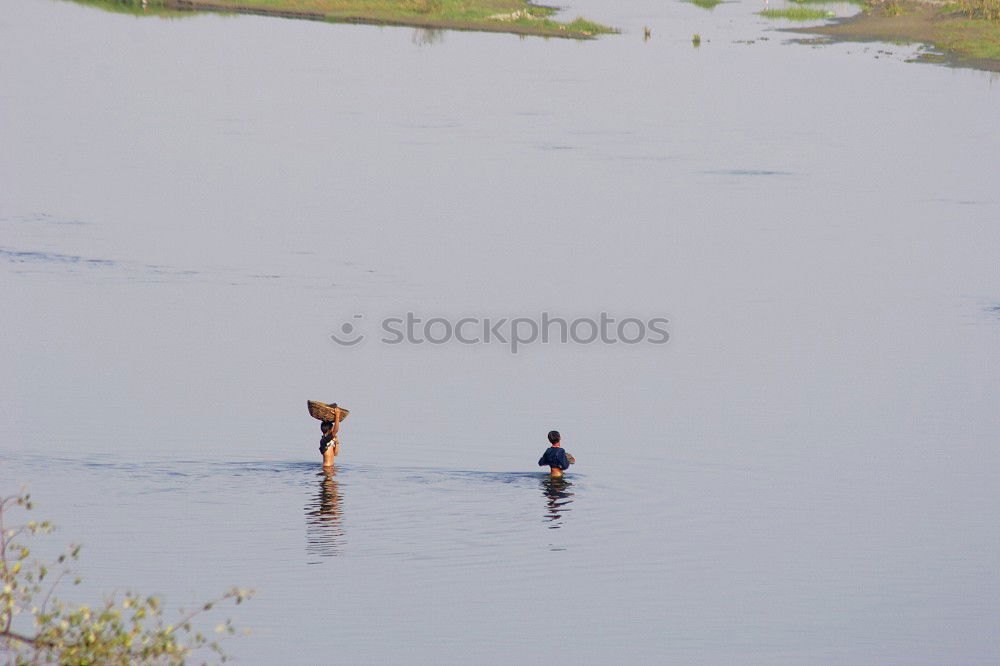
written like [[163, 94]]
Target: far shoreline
[[960, 41], [518, 17]]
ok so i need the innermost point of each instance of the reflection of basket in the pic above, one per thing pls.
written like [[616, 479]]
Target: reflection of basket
[[325, 412]]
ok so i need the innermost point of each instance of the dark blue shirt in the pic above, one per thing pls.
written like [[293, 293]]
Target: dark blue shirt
[[554, 456]]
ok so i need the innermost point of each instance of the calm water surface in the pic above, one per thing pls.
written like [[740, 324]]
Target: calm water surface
[[805, 473]]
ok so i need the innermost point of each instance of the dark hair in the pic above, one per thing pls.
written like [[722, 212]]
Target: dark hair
[[325, 426], [554, 436]]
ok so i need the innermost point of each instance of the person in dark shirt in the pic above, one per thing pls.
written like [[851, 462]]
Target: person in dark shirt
[[555, 457]]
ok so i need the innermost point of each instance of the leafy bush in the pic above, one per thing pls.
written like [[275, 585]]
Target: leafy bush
[[38, 628]]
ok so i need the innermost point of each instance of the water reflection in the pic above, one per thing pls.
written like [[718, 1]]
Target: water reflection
[[324, 518], [427, 36], [558, 497]]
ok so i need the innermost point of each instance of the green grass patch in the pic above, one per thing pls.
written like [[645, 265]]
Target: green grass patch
[[976, 39], [860, 3], [705, 4], [515, 16], [964, 32], [797, 14], [983, 10], [580, 24], [980, 49], [133, 7]]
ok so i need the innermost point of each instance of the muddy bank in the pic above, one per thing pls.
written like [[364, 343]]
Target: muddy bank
[[958, 39]]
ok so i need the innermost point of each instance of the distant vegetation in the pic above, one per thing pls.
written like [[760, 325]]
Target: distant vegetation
[[982, 10], [971, 30], [706, 4], [134, 7], [967, 32], [797, 13], [38, 628], [861, 3], [514, 16]]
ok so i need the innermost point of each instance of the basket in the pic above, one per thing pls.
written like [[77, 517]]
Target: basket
[[325, 412]]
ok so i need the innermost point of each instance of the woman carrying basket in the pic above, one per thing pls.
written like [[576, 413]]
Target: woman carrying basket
[[330, 416]]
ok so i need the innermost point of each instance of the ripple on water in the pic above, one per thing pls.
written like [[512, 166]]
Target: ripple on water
[[748, 172], [407, 513], [37, 256], [359, 534]]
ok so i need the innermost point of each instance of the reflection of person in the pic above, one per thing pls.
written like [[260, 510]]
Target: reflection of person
[[329, 445], [324, 530], [557, 498], [555, 457]]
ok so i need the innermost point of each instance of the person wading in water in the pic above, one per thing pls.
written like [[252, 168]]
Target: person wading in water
[[555, 457], [329, 445]]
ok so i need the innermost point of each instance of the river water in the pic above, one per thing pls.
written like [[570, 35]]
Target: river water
[[806, 472]]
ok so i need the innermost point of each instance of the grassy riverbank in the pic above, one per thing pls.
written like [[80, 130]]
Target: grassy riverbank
[[967, 32], [511, 16]]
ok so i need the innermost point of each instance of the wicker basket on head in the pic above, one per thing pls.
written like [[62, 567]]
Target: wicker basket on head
[[325, 412]]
